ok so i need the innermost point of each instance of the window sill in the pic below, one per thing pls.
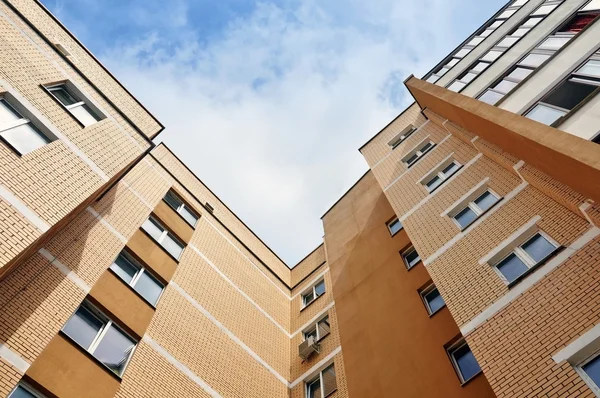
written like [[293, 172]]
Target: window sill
[[180, 216], [481, 215], [476, 375], [135, 291], [119, 378], [162, 248], [444, 182], [535, 267], [309, 304]]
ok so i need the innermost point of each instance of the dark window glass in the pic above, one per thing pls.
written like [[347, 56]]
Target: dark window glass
[[320, 288], [485, 201], [124, 268], [592, 369], [538, 247], [63, 96], [21, 392], [314, 389], [412, 258], [434, 300], [465, 217], [395, 226], [114, 350], [329, 381], [148, 287], [83, 327], [512, 267], [466, 362], [569, 94]]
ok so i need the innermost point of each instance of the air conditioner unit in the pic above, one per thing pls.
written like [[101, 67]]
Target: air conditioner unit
[[308, 347]]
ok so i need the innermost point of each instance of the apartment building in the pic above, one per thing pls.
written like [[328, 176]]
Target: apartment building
[[464, 263]]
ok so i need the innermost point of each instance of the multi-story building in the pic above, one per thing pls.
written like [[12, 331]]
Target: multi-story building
[[464, 263]]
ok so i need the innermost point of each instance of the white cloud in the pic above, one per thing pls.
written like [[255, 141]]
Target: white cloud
[[271, 111]]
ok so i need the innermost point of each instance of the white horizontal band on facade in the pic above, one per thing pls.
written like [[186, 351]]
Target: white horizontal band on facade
[[227, 332], [528, 282], [66, 271], [441, 188], [13, 358], [240, 291], [112, 229], [407, 170], [184, 369], [392, 151], [448, 245], [22, 208], [246, 257], [314, 319], [311, 283], [316, 367], [581, 348]]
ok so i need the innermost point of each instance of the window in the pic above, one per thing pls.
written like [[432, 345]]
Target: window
[[475, 209], [318, 330], [163, 237], [99, 336], [545, 9], [554, 43], [439, 178], [394, 226], [456, 86], [590, 370], [19, 132], [526, 256], [464, 361], [323, 385], [412, 157], [411, 258], [137, 277], [74, 103], [491, 55], [24, 391], [184, 210], [402, 136], [433, 299], [313, 293], [593, 5], [569, 94], [462, 52]]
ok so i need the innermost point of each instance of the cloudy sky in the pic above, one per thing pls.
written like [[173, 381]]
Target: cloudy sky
[[269, 101]]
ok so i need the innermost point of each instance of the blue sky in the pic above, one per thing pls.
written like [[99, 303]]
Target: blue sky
[[269, 101]]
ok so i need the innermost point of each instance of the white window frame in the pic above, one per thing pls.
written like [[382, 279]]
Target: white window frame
[[418, 150], [389, 226], [476, 209], [320, 378], [315, 327], [163, 235], [428, 290], [451, 350], [312, 289], [441, 175], [182, 206], [529, 262], [402, 136], [107, 324], [27, 388], [25, 119], [74, 92], [140, 270], [406, 253], [586, 378]]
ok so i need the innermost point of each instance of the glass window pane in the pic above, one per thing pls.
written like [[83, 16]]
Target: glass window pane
[[505, 86], [148, 287], [434, 300], [468, 77], [545, 114], [395, 226], [434, 183], [569, 94], [329, 381], [84, 114], [442, 71], [592, 5], [21, 392], [481, 66], [495, 24], [432, 79], [83, 327], [507, 13], [188, 216], [172, 246], [538, 248], [534, 60], [412, 258], [554, 43], [456, 86], [320, 288], [452, 62], [25, 138], [152, 228], [507, 41], [592, 369], [8, 114], [462, 52], [63, 96], [114, 350], [308, 297], [531, 22], [324, 327], [519, 73], [125, 268], [512, 267], [314, 389], [520, 32], [518, 3], [590, 68], [467, 364], [485, 201], [487, 32], [450, 169], [490, 97], [491, 55], [172, 200], [465, 217], [425, 147], [412, 159], [475, 41], [311, 333], [545, 9]]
